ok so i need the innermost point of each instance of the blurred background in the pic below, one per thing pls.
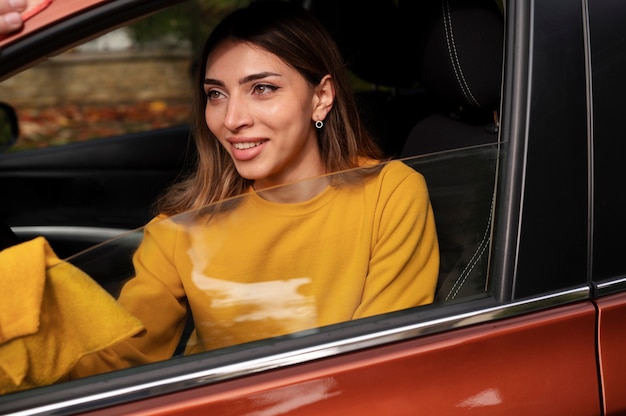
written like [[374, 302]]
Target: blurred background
[[136, 78]]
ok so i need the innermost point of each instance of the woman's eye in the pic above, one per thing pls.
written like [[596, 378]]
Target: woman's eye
[[213, 94], [263, 89]]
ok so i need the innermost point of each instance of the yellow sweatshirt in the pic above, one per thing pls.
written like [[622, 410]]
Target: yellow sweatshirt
[[266, 269]]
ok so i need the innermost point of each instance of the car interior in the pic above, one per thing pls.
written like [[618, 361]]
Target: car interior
[[444, 96], [460, 67]]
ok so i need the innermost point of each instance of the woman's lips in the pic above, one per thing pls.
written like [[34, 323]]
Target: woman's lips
[[247, 150], [246, 145]]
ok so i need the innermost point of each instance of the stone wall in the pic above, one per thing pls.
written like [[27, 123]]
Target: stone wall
[[101, 78]]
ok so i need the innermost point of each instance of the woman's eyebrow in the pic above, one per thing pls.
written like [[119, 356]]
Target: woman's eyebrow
[[211, 81], [246, 79], [260, 75]]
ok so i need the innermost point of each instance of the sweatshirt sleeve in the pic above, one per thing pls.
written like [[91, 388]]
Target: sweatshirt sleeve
[[404, 264], [156, 297]]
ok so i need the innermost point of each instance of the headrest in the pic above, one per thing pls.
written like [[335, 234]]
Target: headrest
[[460, 50], [370, 37]]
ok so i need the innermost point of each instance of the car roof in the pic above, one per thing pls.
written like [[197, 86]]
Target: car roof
[[66, 23]]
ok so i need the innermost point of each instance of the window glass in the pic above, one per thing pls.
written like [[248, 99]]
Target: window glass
[[236, 301]]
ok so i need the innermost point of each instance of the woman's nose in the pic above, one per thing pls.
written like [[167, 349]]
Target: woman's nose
[[237, 113]]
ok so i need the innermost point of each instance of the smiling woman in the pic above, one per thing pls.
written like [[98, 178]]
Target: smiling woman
[[274, 112], [261, 114]]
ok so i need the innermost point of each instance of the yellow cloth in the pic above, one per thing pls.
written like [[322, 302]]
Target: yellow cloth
[[51, 314]]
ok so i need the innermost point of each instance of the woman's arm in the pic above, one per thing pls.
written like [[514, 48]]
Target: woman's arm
[[404, 264], [156, 297]]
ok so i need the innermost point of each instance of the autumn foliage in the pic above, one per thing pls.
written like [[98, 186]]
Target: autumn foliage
[[62, 124]]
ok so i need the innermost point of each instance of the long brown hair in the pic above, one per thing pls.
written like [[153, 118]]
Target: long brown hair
[[291, 33]]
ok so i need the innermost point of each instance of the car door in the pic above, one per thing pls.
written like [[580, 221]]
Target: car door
[[541, 358]]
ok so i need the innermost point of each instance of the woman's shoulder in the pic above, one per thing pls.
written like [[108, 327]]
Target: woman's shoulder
[[388, 174], [394, 166], [398, 171], [164, 223]]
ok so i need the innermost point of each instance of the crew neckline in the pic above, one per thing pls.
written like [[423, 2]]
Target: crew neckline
[[293, 208]]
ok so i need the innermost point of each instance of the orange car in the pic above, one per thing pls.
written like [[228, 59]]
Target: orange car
[[512, 112]]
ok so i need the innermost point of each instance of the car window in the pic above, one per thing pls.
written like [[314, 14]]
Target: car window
[[461, 182], [461, 189], [461, 186], [462, 203]]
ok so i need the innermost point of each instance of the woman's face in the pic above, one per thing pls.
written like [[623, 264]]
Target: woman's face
[[262, 112]]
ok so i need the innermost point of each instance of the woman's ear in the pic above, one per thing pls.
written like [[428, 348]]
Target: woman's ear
[[324, 98]]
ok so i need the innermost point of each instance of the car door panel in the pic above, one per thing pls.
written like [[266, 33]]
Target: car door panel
[[97, 186], [611, 342], [542, 363], [91, 181]]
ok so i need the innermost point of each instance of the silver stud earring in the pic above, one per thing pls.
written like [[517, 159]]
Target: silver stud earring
[[319, 124]]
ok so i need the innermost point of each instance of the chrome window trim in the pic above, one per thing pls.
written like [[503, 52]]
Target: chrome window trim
[[70, 231], [609, 287], [301, 355]]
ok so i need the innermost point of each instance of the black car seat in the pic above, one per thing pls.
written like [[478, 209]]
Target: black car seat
[[372, 40], [460, 65]]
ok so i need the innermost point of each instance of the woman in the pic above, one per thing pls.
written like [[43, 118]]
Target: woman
[[274, 107]]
